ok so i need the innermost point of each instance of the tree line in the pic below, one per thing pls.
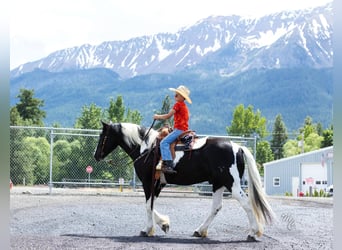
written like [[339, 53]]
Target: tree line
[[30, 156]]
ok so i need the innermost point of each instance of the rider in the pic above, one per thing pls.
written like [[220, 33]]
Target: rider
[[181, 124]]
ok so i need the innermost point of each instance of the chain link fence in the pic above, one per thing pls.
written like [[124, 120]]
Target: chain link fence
[[60, 157]]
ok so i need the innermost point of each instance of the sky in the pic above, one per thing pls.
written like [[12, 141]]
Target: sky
[[41, 27]]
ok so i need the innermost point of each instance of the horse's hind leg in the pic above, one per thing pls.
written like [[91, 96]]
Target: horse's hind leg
[[240, 195], [202, 230]]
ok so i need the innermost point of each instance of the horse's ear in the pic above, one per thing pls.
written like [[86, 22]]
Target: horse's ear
[[104, 124]]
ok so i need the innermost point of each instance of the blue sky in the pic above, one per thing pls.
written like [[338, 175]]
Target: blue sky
[[40, 27]]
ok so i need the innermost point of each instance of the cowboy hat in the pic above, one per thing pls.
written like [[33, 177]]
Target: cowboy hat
[[183, 91]]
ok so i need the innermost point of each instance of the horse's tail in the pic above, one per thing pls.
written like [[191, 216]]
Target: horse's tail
[[261, 208]]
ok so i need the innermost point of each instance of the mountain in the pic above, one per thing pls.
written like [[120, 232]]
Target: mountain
[[294, 93], [226, 44], [280, 63]]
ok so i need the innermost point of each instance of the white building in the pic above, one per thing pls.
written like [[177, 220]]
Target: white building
[[305, 172]]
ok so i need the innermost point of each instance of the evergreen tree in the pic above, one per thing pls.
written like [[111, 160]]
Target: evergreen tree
[[279, 137], [328, 135], [15, 118], [308, 127], [166, 107], [29, 108], [319, 129]]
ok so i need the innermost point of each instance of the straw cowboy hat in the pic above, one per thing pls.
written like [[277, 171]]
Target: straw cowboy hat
[[183, 91]]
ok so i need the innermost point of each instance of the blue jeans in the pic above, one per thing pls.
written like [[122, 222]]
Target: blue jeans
[[165, 144]]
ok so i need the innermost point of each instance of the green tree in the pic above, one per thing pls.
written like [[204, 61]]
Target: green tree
[[66, 158], [312, 142], [264, 152], [328, 135], [308, 135], [15, 118], [116, 110], [279, 137], [246, 122], [38, 151], [166, 107], [308, 127], [291, 148], [133, 116], [90, 117], [20, 166], [319, 129], [29, 108]]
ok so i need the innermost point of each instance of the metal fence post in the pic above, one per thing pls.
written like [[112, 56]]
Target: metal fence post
[[134, 174], [51, 156]]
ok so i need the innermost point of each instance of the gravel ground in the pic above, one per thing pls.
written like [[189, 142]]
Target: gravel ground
[[113, 220]]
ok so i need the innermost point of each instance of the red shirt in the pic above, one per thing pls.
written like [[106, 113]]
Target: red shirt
[[181, 116]]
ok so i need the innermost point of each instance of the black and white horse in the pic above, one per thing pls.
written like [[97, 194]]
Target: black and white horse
[[218, 161]]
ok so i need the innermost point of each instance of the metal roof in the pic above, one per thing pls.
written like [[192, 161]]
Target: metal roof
[[321, 150]]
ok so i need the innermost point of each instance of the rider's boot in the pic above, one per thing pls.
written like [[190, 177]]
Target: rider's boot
[[168, 167]]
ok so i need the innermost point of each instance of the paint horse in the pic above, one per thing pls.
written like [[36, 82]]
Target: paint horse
[[218, 161]]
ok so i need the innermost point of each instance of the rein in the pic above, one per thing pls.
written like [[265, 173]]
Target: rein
[[136, 147]]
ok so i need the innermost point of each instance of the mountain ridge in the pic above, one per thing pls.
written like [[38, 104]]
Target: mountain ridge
[[190, 46], [280, 63]]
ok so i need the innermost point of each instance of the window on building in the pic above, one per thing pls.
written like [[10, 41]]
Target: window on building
[[276, 181]]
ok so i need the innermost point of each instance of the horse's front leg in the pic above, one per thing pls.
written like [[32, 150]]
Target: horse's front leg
[[149, 229], [202, 230], [153, 218], [163, 221]]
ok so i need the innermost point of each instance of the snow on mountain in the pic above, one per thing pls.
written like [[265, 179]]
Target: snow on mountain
[[229, 44]]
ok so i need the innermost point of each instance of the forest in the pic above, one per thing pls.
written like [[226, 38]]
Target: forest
[[30, 140]]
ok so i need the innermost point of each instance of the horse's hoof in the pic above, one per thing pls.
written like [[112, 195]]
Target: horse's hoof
[[165, 228], [143, 234], [251, 238], [197, 234]]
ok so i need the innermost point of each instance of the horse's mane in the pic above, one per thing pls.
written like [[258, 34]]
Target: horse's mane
[[134, 135]]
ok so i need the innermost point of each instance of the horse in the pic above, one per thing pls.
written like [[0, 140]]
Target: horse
[[219, 161]]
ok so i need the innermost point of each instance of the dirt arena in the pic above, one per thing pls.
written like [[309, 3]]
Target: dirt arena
[[113, 220]]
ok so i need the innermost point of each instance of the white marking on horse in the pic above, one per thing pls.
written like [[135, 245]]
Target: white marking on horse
[[202, 230], [132, 137], [153, 218]]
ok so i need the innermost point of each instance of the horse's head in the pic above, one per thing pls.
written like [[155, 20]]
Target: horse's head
[[107, 142]]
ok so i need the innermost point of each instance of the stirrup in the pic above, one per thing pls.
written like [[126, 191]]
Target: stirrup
[[167, 167], [168, 170]]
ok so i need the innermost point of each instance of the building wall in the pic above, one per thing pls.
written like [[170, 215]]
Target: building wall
[[287, 168]]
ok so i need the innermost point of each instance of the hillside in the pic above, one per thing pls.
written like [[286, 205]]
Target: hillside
[[294, 93]]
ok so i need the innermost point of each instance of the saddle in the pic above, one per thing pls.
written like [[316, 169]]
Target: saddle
[[187, 141], [184, 142]]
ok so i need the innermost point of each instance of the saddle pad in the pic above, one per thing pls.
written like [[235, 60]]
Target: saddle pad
[[198, 144]]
